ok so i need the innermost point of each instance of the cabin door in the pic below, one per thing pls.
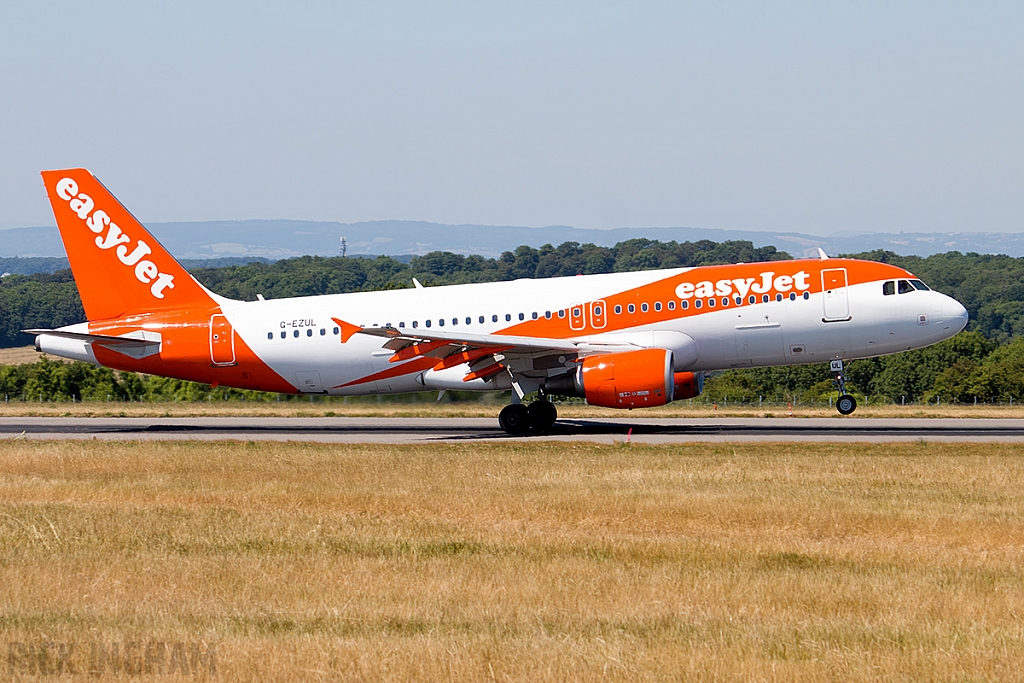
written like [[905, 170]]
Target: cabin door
[[835, 294], [222, 341]]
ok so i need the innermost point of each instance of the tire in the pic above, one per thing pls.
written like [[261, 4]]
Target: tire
[[542, 415], [514, 419], [846, 404]]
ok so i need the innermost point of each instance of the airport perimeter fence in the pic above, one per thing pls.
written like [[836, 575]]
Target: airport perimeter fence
[[48, 381], [427, 399]]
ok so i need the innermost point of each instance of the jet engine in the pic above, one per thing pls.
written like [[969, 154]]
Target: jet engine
[[687, 385], [631, 379]]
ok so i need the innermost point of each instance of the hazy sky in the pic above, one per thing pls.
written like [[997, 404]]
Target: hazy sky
[[813, 117]]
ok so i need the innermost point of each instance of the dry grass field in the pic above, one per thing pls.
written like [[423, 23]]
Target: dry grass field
[[22, 354], [523, 561]]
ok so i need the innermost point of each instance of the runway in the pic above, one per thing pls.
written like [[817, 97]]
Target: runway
[[427, 430]]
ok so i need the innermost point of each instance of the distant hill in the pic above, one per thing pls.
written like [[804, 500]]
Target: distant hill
[[30, 265], [275, 239]]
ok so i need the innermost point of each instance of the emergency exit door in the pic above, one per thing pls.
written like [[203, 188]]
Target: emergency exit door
[[222, 341]]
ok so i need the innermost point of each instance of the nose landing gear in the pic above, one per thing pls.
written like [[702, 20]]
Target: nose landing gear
[[538, 417], [846, 403]]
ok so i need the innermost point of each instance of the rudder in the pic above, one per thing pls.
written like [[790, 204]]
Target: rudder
[[119, 267]]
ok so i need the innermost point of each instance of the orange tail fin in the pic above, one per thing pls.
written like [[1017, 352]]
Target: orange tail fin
[[118, 266]]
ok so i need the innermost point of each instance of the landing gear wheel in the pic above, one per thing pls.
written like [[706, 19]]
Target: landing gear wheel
[[514, 419], [542, 415], [846, 404]]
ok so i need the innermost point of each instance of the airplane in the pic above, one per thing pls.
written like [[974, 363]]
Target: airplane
[[619, 340]]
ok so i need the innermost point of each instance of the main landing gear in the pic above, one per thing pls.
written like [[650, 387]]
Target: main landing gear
[[846, 403], [535, 418]]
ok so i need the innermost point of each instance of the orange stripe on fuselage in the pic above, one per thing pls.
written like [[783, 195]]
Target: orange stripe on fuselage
[[663, 291], [185, 352]]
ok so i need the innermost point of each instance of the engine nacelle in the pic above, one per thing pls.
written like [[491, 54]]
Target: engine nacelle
[[687, 385], [632, 379]]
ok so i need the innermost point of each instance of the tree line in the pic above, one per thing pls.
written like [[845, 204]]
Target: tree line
[[985, 363]]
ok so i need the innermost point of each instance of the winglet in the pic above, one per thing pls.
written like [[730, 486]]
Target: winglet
[[822, 254], [347, 329], [417, 283]]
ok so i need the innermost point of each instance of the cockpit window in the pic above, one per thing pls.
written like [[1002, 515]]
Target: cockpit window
[[905, 287], [919, 285], [889, 288]]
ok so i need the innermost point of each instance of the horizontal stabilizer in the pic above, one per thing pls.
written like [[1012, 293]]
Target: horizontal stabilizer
[[135, 344]]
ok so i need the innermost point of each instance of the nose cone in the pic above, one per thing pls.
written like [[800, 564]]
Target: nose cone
[[954, 315]]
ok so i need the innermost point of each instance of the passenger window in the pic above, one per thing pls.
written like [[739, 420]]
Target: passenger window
[[807, 295], [336, 331], [597, 310], [270, 335], [711, 303], [522, 316], [415, 324], [481, 320], [533, 315], [309, 331], [618, 309], [427, 323], [561, 313], [455, 321], [919, 285], [657, 305], [792, 296], [508, 317], [684, 304], [752, 299], [631, 308], [283, 334], [643, 307], [671, 305], [440, 322], [323, 331], [401, 324], [697, 303], [725, 301], [295, 334], [547, 314], [778, 297], [905, 287], [494, 318], [889, 288], [764, 298], [739, 300]]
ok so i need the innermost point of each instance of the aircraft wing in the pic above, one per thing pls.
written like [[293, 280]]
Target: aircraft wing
[[486, 354]]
